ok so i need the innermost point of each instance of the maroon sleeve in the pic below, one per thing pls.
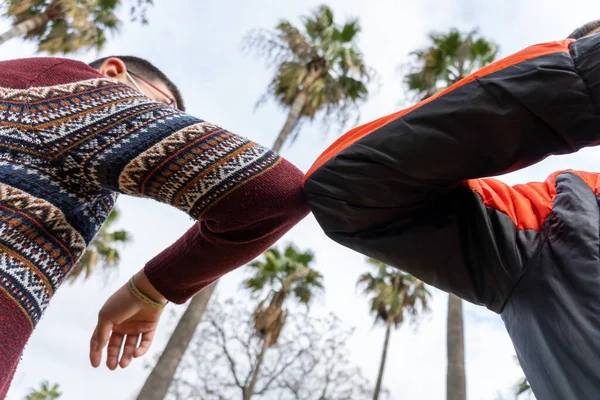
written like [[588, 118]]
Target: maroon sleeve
[[234, 231], [244, 196]]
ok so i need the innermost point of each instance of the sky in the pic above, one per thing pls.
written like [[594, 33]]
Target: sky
[[199, 45]]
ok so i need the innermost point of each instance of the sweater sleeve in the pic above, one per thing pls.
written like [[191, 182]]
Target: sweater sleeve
[[235, 230], [244, 196]]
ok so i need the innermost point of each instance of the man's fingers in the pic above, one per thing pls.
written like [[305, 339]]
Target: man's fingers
[[95, 356], [130, 347], [144, 344], [113, 350], [99, 340]]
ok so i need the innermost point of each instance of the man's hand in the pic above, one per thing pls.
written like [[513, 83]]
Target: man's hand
[[124, 318]]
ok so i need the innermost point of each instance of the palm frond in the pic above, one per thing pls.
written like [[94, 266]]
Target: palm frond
[[319, 59], [103, 252], [348, 31], [393, 294], [451, 56], [279, 276], [71, 25]]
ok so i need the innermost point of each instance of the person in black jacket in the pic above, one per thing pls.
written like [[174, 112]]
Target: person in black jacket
[[410, 189]]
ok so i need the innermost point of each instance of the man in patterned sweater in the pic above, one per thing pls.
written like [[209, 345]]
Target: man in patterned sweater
[[72, 137]]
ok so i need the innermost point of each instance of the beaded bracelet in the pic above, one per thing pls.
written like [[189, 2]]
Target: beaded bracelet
[[142, 297]]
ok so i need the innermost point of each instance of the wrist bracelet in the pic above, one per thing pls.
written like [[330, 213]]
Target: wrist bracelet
[[142, 297]]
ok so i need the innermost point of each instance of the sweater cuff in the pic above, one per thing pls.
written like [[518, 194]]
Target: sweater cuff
[[168, 262], [154, 271]]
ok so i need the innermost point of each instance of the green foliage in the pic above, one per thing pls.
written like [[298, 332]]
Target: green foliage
[[46, 392], [394, 294], [321, 58], [103, 251], [523, 389], [281, 275], [449, 58], [289, 271], [65, 26]]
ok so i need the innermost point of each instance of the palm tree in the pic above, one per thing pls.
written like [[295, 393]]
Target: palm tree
[[157, 384], [334, 90], [281, 275], [456, 380], [65, 26], [44, 393], [319, 68], [393, 295], [102, 251], [449, 58]]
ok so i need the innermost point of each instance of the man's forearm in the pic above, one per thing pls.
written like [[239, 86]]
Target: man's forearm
[[234, 231]]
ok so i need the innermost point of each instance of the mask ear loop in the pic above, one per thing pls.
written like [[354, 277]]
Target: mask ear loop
[[134, 83]]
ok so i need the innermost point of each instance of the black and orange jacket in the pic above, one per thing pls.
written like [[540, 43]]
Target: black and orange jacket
[[409, 189]]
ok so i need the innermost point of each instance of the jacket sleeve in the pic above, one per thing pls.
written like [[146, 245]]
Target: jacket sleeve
[[244, 196], [406, 188]]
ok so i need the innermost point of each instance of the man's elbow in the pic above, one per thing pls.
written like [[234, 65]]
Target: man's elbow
[[285, 191], [264, 208]]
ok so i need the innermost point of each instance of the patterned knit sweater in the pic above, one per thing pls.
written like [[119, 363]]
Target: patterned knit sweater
[[71, 140]]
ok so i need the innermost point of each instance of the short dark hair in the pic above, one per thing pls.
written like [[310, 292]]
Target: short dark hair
[[584, 30], [147, 70]]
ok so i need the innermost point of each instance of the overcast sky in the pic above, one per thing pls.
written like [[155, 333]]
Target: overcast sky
[[198, 44]]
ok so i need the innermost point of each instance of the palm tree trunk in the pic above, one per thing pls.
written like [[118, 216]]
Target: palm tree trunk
[[261, 356], [455, 377], [159, 380], [292, 120], [24, 27], [383, 358], [296, 109]]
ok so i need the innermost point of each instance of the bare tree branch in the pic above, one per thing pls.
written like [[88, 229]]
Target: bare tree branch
[[309, 363], [226, 351], [278, 374]]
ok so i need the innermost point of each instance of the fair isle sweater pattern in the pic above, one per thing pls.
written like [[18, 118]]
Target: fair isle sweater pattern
[[65, 153]]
